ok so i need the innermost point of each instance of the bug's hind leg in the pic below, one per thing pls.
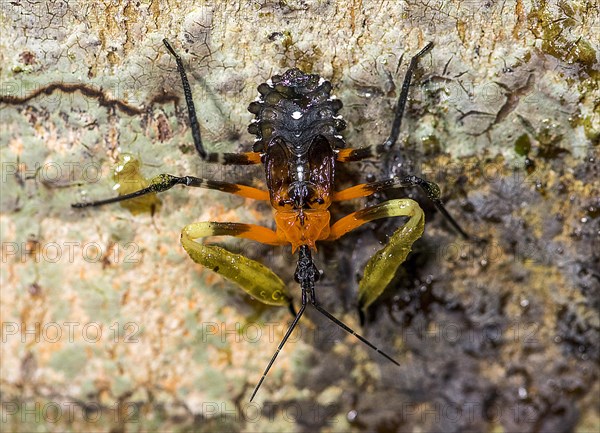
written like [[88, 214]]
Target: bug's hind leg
[[382, 267], [254, 278], [221, 158], [349, 154], [399, 110]]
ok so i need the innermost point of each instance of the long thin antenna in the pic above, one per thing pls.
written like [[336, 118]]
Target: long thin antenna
[[350, 331], [285, 338], [307, 274]]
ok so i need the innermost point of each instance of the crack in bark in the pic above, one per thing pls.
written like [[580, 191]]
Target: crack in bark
[[91, 92]]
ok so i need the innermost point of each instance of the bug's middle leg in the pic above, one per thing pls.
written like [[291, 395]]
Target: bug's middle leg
[[253, 277], [382, 267], [430, 188]]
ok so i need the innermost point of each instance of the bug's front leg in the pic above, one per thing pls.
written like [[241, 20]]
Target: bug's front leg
[[164, 182], [254, 278], [382, 267]]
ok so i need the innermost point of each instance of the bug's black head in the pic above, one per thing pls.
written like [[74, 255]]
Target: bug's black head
[[306, 271]]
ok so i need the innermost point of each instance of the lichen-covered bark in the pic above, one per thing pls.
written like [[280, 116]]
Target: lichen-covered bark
[[107, 325]]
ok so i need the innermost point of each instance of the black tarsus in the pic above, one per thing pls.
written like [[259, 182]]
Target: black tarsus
[[167, 181], [433, 193], [306, 275], [187, 91], [399, 110], [160, 183]]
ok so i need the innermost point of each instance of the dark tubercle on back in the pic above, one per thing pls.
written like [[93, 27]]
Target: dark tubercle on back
[[296, 107]]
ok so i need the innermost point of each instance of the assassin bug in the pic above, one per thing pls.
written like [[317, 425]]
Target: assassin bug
[[297, 129]]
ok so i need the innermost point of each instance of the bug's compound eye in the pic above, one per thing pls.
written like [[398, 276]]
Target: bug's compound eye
[[318, 274], [306, 271]]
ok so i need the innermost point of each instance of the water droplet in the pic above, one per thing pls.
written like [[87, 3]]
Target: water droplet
[[522, 393], [524, 303]]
